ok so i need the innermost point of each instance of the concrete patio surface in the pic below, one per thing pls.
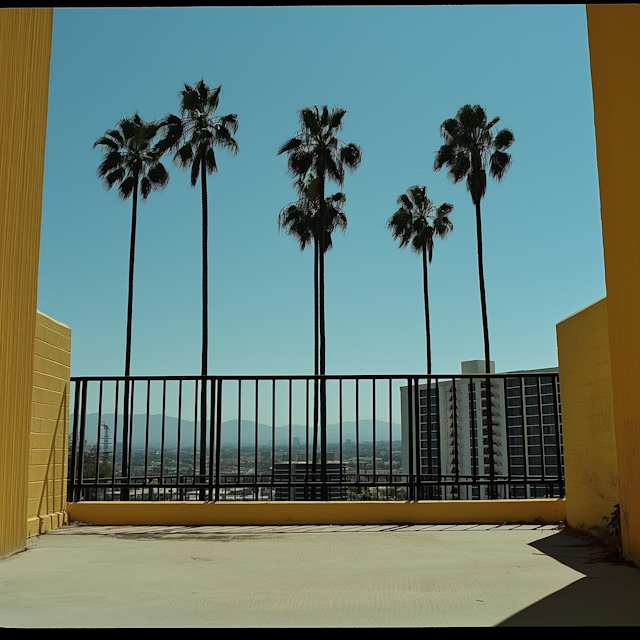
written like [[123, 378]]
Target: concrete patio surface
[[313, 576]]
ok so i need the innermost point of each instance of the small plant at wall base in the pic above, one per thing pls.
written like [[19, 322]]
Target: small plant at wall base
[[605, 542]]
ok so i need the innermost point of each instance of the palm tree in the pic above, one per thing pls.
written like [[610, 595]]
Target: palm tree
[[193, 137], [470, 149], [315, 154], [417, 222], [131, 160], [299, 219]]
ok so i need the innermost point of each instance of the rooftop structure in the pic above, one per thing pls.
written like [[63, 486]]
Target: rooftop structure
[[453, 442]]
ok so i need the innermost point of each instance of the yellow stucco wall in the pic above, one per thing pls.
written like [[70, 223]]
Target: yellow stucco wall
[[369, 512], [614, 45], [590, 461], [48, 445], [25, 50]]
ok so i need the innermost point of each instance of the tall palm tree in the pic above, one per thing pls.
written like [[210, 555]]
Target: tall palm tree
[[131, 160], [471, 149], [299, 219], [193, 137], [316, 155], [417, 222]]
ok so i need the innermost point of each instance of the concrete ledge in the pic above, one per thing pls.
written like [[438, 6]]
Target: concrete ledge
[[540, 511]]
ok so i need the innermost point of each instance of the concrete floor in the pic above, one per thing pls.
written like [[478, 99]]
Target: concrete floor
[[313, 576]]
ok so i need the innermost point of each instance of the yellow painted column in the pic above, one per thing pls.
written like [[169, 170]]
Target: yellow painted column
[[25, 51], [614, 45]]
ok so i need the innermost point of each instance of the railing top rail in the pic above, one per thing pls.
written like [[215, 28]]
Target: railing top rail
[[412, 376]]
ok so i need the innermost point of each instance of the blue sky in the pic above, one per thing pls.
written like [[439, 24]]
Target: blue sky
[[399, 72]]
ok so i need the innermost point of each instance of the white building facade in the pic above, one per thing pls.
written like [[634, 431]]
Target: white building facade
[[451, 444]]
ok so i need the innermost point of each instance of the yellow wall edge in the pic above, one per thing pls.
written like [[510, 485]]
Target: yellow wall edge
[[49, 441], [25, 51], [614, 47], [590, 458], [537, 511]]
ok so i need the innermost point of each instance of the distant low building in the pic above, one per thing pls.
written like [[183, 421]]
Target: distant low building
[[302, 472]]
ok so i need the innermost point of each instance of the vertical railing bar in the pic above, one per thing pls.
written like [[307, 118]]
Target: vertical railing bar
[[115, 436], [307, 494], [341, 438], [255, 468], [196, 414], [83, 415], [239, 427], [357, 380], [178, 489], [555, 379], [210, 457], [541, 430], [390, 476], [409, 436], [273, 433], [130, 444], [373, 392], [146, 441], [218, 438], [475, 456], [456, 459], [71, 490], [416, 440], [290, 428], [202, 463], [162, 439], [428, 431], [98, 452], [492, 471], [438, 439], [507, 490], [418, 436], [525, 437]]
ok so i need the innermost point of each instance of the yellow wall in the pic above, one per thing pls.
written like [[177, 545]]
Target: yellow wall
[[590, 461], [369, 512], [614, 45], [25, 50], [48, 444]]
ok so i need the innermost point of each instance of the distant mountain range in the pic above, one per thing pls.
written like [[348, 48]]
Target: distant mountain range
[[230, 431]]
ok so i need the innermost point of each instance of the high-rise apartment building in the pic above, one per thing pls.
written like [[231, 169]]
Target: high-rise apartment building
[[454, 449]]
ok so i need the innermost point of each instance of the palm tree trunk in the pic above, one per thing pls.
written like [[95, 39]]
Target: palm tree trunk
[[483, 300], [487, 359], [426, 308], [323, 383], [205, 270], [316, 362], [127, 359], [205, 328]]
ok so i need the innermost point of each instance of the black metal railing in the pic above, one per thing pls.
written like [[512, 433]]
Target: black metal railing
[[386, 438]]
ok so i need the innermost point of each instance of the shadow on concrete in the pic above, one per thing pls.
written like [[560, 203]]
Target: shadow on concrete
[[608, 594]]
